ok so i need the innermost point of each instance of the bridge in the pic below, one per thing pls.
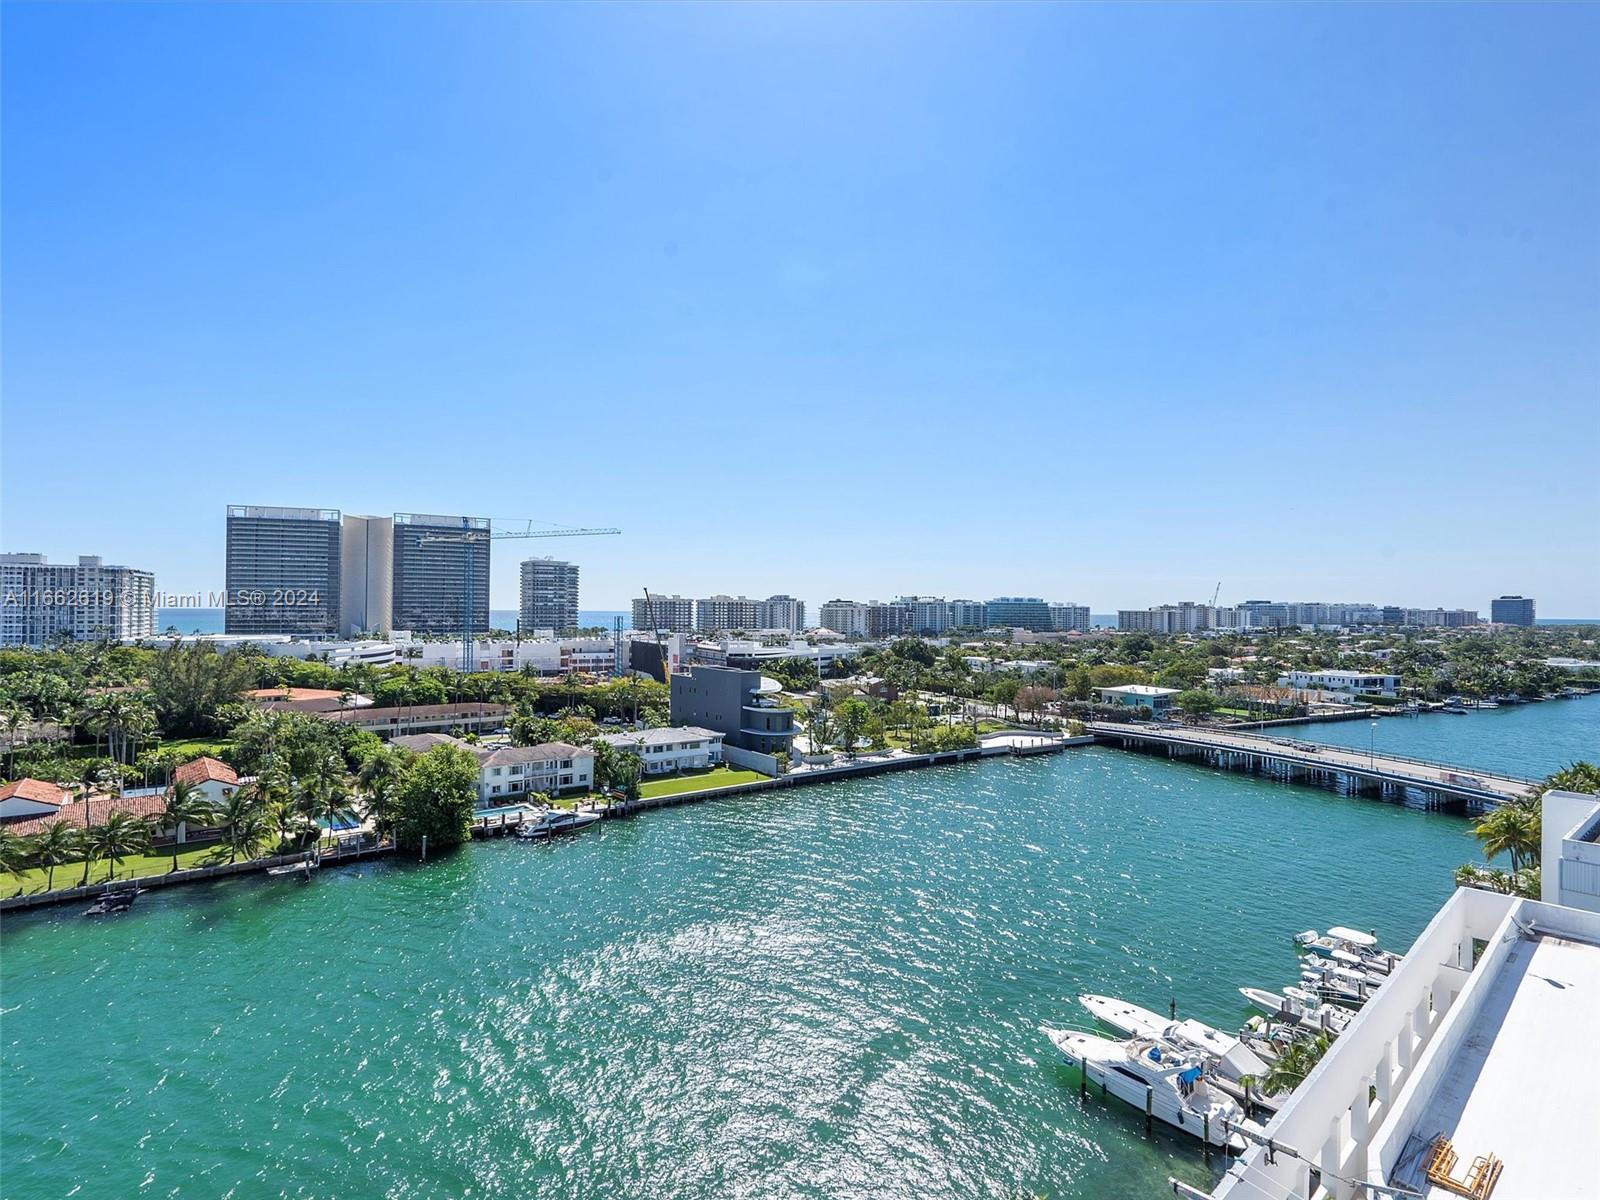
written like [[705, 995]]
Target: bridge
[[1311, 762]]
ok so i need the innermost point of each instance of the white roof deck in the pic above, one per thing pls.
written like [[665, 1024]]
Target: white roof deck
[[1522, 1085]]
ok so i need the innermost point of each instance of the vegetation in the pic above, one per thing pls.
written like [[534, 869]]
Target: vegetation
[[1289, 1070], [435, 799], [697, 781], [1515, 831]]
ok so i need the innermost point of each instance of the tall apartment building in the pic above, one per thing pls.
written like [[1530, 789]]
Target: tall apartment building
[[441, 573], [1069, 618], [717, 613], [888, 620], [848, 617], [1019, 612], [549, 595], [1445, 618], [1511, 610], [284, 570], [669, 614], [366, 574], [968, 614], [926, 615], [781, 612], [87, 602]]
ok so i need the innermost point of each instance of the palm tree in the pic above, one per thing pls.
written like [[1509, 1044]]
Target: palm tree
[[1289, 1070], [118, 836], [13, 717], [1510, 829], [324, 792], [13, 854], [186, 807], [243, 825], [59, 843], [379, 778], [1575, 777]]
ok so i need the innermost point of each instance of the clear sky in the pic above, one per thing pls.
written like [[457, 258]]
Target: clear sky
[[1104, 303]]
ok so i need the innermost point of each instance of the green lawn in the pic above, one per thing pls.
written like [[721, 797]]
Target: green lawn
[[696, 781], [197, 746], [70, 875]]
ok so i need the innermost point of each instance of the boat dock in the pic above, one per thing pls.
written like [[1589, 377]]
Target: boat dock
[[1310, 762]]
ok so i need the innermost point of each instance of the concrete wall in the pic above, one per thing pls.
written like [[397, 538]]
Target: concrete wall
[[1569, 853], [750, 760]]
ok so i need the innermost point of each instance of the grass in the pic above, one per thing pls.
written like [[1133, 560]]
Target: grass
[[695, 781], [69, 875], [215, 747]]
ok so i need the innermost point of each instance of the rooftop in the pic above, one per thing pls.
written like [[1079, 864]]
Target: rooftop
[[1140, 689], [37, 790], [205, 769], [659, 737], [1515, 1088]]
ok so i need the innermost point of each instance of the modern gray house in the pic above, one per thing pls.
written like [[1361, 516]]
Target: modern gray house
[[737, 704], [283, 570]]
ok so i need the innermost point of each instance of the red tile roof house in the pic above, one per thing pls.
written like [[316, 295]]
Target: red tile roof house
[[26, 807], [24, 798]]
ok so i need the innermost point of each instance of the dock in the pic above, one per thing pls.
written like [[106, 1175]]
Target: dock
[[1308, 762]]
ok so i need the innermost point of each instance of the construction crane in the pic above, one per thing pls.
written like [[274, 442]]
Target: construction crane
[[1216, 593], [661, 645], [473, 538]]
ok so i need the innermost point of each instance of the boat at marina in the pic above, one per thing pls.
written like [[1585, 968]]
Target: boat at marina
[[1299, 1007], [555, 821], [1228, 1060], [1348, 947], [114, 901], [1143, 1072]]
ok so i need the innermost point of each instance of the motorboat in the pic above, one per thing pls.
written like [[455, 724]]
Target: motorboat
[[1357, 976], [1143, 1071], [1329, 988], [553, 821], [1229, 1057], [1296, 1006], [1350, 943], [114, 901]]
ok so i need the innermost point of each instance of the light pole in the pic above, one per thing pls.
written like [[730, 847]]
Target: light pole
[[1372, 744]]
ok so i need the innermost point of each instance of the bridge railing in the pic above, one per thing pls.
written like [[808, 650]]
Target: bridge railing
[[1218, 737]]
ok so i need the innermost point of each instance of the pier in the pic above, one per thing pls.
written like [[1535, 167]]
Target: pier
[[1308, 762]]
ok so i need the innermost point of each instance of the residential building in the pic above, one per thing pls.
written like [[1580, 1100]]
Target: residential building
[[366, 574], [666, 614], [541, 656], [664, 751], [1069, 618], [1018, 612], [1355, 683], [848, 617], [423, 718], [1511, 610], [1183, 617], [927, 616], [1465, 1054], [750, 654], [781, 612], [737, 704], [335, 651], [87, 602], [1445, 618], [213, 780], [441, 573], [507, 774], [968, 614], [1140, 695], [888, 620], [549, 596], [716, 614], [28, 799], [284, 570], [1261, 614]]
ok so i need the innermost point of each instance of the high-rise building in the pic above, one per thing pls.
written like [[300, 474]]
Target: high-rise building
[[1069, 618], [781, 612], [888, 620], [928, 615], [968, 614], [284, 570], [441, 573], [87, 602], [668, 614], [549, 595], [717, 613], [366, 574], [1019, 612], [1511, 610], [848, 617]]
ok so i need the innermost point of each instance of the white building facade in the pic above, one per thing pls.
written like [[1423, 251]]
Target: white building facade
[[665, 751], [86, 602]]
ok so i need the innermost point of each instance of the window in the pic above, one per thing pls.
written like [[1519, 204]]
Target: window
[[566, 764]]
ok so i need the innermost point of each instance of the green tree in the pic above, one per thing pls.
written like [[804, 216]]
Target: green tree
[[118, 836], [1196, 703], [1513, 830], [436, 798], [1289, 1070], [850, 720], [59, 844], [186, 807], [13, 854], [190, 683], [243, 822], [379, 778]]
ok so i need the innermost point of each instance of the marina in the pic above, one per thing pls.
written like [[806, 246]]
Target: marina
[[780, 990]]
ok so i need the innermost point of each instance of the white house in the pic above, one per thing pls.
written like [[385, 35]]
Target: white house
[[508, 773], [683, 748], [212, 778], [1139, 695], [1349, 682]]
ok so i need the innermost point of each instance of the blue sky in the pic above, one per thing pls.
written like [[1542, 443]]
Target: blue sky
[[1102, 303]]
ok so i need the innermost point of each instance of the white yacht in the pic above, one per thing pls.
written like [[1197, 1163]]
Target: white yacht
[[1174, 1084], [556, 820], [1227, 1055], [1298, 1006]]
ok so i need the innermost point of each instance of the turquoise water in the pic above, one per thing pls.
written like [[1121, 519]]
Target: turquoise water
[[828, 992], [1531, 740]]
